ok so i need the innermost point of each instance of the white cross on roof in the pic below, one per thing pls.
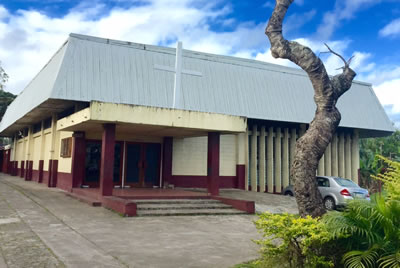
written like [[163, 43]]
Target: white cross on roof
[[177, 101]]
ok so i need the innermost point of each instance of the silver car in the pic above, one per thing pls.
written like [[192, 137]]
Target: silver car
[[335, 191]]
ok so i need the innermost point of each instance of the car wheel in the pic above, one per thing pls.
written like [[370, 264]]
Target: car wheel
[[329, 203], [289, 193]]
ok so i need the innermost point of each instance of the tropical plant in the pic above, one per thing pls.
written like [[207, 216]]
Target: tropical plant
[[371, 230], [371, 165], [391, 178]]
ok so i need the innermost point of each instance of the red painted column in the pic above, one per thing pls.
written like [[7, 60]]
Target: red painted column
[[78, 158], [107, 160], [213, 163], [54, 173], [49, 172], [41, 165], [167, 160], [22, 174], [241, 176]]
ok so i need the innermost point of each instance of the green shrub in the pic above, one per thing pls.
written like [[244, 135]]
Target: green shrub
[[292, 241]]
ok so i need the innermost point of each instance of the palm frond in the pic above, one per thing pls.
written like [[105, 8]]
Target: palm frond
[[361, 259], [390, 261]]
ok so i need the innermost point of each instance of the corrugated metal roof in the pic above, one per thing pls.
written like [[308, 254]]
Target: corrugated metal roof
[[89, 68]]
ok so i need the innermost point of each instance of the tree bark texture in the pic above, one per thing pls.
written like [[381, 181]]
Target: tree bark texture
[[312, 145]]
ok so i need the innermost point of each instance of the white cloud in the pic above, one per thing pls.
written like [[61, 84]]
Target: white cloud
[[389, 94], [28, 38], [391, 30], [344, 10]]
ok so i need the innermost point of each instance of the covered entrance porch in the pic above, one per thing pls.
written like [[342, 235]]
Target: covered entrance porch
[[123, 152]]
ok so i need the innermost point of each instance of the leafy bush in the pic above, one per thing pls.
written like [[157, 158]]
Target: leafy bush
[[292, 241]]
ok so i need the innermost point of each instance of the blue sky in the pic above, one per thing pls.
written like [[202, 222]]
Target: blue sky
[[31, 31]]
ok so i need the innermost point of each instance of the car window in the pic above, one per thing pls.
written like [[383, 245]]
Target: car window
[[345, 182], [322, 182]]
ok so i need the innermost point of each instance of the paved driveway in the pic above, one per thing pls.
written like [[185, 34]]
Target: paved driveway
[[42, 227]]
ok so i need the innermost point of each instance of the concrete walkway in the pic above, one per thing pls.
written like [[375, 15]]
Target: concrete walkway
[[42, 227]]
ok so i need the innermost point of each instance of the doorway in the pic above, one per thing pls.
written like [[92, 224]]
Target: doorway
[[93, 163], [142, 164]]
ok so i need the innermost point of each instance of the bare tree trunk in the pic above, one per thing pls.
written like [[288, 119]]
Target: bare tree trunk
[[312, 145]]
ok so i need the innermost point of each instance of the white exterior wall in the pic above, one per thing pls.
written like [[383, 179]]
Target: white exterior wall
[[189, 156], [227, 155], [37, 147]]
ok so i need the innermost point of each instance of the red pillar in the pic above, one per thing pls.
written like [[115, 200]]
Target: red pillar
[[54, 174], [167, 160], [41, 165], [107, 160], [78, 158], [213, 163], [22, 174]]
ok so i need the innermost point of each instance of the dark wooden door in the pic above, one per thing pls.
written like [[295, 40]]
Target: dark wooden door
[[143, 164]]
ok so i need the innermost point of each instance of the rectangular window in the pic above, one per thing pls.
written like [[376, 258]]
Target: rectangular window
[[66, 147], [37, 127], [47, 123]]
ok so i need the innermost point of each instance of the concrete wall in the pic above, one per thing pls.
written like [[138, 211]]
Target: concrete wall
[[189, 156]]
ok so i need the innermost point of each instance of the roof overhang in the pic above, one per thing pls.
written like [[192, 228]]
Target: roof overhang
[[40, 112], [152, 121]]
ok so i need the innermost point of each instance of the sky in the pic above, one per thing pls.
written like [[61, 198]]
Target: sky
[[31, 31]]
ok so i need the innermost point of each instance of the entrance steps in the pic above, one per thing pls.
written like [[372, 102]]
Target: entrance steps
[[183, 207]]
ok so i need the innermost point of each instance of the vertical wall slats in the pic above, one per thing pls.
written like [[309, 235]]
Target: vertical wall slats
[[253, 159], [271, 152], [270, 160], [278, 160], [285, 158], [261, 151]]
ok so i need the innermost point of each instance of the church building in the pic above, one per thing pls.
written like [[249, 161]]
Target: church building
[[109, 114]]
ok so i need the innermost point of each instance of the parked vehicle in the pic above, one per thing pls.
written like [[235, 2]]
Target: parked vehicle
[[335, 191]]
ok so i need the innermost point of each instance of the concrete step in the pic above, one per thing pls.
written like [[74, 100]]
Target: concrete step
[[175, 206], [91, 201], [189, 212], [175, 201]]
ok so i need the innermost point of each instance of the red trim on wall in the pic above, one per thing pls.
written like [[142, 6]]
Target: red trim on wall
[[201, 181], [241, 176], [167, 160], [213, 162], [22, 170], [35, 175], [64, 180], [41, 164], [107, 160], [45, 177]]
